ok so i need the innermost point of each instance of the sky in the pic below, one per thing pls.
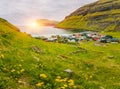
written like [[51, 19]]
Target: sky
[[18, 11]]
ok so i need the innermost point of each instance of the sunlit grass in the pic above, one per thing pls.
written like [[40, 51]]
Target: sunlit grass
[[22, 67]]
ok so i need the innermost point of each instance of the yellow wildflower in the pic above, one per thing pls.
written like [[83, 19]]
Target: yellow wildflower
[[43, 76], [19, 65], [91, 76], [58, 80], [75, 87], [70, 82], [65, 85], [18, 72], [2, 56], [64, 80], [39, 84], [58, 77], [13, 70], [22, 70], [19, 81], [62, 88]]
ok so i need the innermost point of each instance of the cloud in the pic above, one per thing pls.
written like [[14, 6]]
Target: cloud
[[16, 11]]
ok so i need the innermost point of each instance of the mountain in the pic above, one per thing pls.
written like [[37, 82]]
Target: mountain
[[103, 15], [46, 22], [28, 63]]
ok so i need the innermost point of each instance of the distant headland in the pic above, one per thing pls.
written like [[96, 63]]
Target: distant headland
[[46, 22]]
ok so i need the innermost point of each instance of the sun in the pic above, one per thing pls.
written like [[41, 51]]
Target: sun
[[34, 24]]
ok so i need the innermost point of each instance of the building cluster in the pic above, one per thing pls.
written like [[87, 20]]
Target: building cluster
[[80, 37]]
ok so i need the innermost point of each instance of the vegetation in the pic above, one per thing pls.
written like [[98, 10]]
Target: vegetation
[[27, 63], [103, 15]]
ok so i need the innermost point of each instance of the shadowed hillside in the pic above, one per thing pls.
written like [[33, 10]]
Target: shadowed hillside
[[46, 22], [103, 15]]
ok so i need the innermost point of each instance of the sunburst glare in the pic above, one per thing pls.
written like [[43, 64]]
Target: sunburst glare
[[33, 24]]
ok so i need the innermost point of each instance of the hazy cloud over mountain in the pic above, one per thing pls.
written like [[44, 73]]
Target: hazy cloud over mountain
[[16, 11]]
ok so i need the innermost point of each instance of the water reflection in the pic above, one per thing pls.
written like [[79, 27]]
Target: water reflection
[[43, 31]]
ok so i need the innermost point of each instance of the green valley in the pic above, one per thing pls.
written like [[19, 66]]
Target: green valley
[[27, 63]]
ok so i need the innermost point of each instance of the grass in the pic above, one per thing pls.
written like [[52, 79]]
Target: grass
[[21, 67], [98, 21], [103, 15]]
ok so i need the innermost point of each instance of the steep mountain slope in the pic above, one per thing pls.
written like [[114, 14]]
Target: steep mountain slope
[[103, 15], [27, 63]]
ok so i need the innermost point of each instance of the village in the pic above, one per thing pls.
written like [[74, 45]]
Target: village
[[80, 37]]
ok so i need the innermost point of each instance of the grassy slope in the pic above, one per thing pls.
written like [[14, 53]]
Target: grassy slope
[[103, 15], [20, 66]]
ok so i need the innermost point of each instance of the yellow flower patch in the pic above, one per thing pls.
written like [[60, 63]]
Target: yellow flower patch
[[13, 70], [39, 84], [2, 56], [19, 81], [22, 70], [43, 76]]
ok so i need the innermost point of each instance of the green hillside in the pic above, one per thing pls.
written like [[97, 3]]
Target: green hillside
[[103, 15], [27, 63]]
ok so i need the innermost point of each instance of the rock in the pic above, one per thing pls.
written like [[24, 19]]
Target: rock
[[99, 44], [68, 70], [63, 56], [111, 56], [114, 42], [36, 49], [36, 58], [78, 51]]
